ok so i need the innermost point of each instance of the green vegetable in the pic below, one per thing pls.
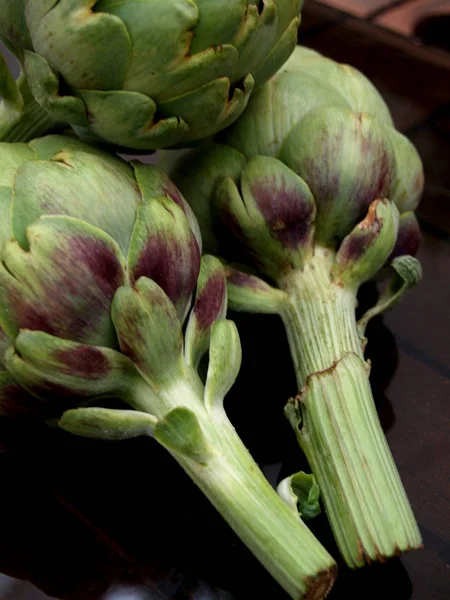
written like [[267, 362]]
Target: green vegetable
[[148, 74], [99, 264], [315, 191]]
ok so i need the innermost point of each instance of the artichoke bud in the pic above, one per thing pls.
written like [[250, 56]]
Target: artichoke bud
[[64, 284], [180, 432], [347, 160], [408, 187], [210, 305], [163, 247], [408, 237], [365, 249], [171, 73], [50, 367], [225, 357], [81, 230], [107, 424], [273, 220], [249, 293], [149, 331]]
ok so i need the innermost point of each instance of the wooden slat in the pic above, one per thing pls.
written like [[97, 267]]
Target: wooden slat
[[359, 8], [406, 17]]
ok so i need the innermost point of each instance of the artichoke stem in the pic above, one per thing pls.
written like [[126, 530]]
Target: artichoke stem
[[31, 122], [339, 430], [234, 484]]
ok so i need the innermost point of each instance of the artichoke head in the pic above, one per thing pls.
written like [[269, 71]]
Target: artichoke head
[[98, 264], [314, 162], [148, 74]]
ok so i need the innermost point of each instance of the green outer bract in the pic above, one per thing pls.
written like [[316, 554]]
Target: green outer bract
[[314, 190], [99, 264], [148, 74]]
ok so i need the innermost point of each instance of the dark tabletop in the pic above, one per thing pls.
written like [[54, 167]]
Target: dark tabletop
[[85, 520]]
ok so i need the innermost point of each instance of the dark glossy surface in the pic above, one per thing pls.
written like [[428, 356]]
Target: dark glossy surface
[[85, 520]]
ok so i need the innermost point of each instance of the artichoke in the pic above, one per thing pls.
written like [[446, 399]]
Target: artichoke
[[99, 263], [314, 191], [148, 74]]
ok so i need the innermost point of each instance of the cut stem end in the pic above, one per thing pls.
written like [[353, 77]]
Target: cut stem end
[[337, 424]]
